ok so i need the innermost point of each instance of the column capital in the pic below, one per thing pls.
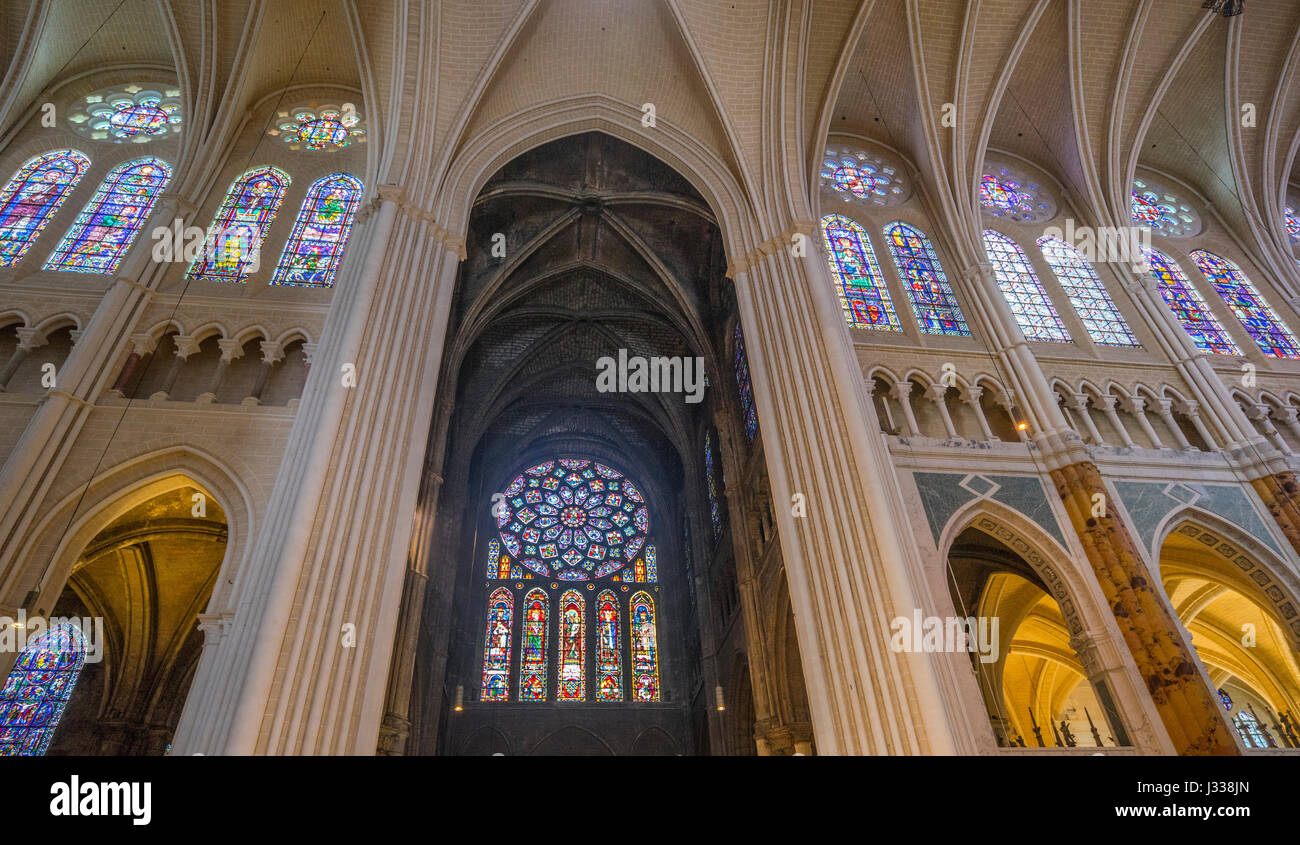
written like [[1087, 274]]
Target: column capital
[[971, 395], [272, 351], [1135, 404], [901, 389], [1080, 401], [143, 344], [1285, 413], [1107, 402], [938, 392], [759, 252], [230, 349], [1191, 407], [29, 339], [309, 351], [186, 345]]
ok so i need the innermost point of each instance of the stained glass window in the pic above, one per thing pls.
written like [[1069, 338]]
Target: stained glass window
[[1033, 311], [496, 648], [1188, 306], [38, 689], [573, 520], [1087, 294], [532, 653], [32, 197], [859, 176], [609, 649], [651, 564], [1003, 195], [110, 222], [1249, 306], [918, 266], [312, 255], [1163, 211], [573, 639], [1251, 733], [858, 279], [1292, 221], [715, 512], [645, 648], [233, 247], [1226, 699], [746, 389]]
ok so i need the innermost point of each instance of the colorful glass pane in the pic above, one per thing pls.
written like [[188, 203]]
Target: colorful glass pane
[[496, 648], [1256, 315], [1292, 224], [32, 197], [1226, 699], [108, 225], [532, 651], [1251, 732], [572, 664], [234, 244], [37, 690], [494, 555], [1003, 195], [645, 648], [651, 564], [573, 520], [1188, 306], [715, 512], [609, 649], [746, 388], [315, 248], [858, 279], [1019, 284], [1156, 207], [1087, 294], [918, 266]]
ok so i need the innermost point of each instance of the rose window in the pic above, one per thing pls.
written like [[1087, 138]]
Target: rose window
[[573, 520]]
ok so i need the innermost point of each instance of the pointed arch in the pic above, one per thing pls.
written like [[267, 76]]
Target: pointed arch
[[645, 647], [1105, 324], [858, 280], [232, 248], [32, 198], [532, 649], [572, 662], [1188, 306], [105, 229], [314, 250], [38, 689], [1256, 315], [609, 649], [496, 646], [933, 301], [1029, 303]]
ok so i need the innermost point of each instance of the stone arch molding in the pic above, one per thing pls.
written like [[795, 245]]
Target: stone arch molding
[[1036, 548], [1276, 582], [515, 134], [45, 560]]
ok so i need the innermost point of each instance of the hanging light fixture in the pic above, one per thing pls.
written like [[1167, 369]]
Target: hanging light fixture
[[460, 698], [1229, 8], [718, 700]]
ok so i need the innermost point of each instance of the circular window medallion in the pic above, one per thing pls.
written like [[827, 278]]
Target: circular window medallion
[[320, 127], [1163, 211], [123, 114], [854, 175], [573, 520]]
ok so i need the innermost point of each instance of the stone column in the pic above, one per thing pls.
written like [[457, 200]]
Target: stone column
[[1192, 409], [1081, 405], [1137, 407], [1108, 407], [939, 395], [972, 398], [230, 350], [304, 669], [28, 339], [1166, 409], [1191, 713], [1287, 414], [272, 354], [142, 347], [902, 391], [1259, 413], [848, 567], [185, 347]]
